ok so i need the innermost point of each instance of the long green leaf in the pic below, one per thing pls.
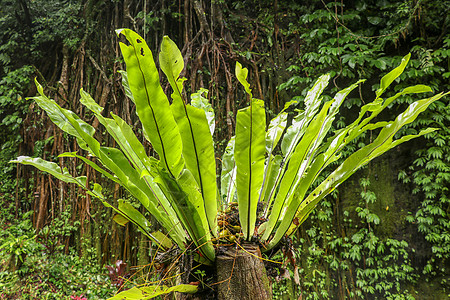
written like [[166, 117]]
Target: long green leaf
[[378, 107], [149, 292], [198, 149], [340, 140], [198, 146], [300, 123], [345, 135], [131, 179], [387, 79], [271, 172], [297, 167], [249, 156], [199, 101], [62, 174], [132, 144], [383, 142], [273, 135], [187, 202], [67, 121], [125, 85], [228, 175], [135, 152], [275, 130], [350, 166], [91, 164], [152, 105], [303, 156], [51, 168], [111, 158], [296, 131]]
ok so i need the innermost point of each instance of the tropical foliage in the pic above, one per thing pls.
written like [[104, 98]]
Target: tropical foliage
[[382, 233], [273, 170]]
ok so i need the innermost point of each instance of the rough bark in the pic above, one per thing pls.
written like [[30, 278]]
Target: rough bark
[[241, 274]]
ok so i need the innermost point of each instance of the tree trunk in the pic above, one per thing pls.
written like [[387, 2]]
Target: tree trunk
[[241, 274]]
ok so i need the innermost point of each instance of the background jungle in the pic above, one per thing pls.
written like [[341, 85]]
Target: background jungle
[[383, 234]]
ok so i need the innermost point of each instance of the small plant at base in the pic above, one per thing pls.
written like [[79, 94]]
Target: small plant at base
[[117, 274]]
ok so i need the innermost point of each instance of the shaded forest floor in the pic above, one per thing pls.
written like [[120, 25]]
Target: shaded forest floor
[[30, 268]]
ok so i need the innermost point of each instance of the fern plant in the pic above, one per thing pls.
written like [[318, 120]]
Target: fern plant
[[271, 188]]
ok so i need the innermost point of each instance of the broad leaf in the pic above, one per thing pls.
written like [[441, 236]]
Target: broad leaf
[[172, 64], [249, 156], [198, 101], [125, 85], [297, 166], [67, 121], [383, 142], [241, 75], [187, 202], [135, 152], [51, 168], [128, 212], [392, 75], [198, 146], [271, 173], [152, 105], [275, 130], [228, 175], [300, 123], [91, 164], [149, 292]]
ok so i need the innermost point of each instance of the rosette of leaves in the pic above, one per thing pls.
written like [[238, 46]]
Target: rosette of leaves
[[179, 187]]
